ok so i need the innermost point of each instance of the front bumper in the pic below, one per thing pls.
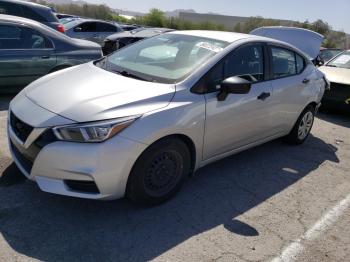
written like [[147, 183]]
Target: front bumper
[[85, 170]]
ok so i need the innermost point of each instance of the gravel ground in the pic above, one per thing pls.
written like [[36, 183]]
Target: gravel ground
[[272, 202]]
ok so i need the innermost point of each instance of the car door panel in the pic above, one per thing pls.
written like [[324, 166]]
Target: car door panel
[[20, 67], [239, 120], [291, 93]]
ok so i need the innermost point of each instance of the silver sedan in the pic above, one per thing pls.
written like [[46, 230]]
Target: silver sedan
[[138, 122]]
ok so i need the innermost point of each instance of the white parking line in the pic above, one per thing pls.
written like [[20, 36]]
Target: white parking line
[[291, 252]]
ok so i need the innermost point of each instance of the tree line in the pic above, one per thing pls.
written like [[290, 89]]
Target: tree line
[[157, 18]]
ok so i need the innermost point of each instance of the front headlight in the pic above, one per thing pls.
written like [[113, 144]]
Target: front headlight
[[93, 132]]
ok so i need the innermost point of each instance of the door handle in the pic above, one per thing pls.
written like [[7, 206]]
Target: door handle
[[45, 57], [263, 96], [306, 80]]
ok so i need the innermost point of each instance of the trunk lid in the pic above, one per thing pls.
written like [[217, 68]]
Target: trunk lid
[[306, 40]]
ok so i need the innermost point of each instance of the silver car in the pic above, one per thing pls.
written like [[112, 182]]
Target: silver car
[[90, 29], [138, 122]]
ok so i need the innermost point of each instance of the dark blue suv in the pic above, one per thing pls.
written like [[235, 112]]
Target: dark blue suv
[[40, 13]]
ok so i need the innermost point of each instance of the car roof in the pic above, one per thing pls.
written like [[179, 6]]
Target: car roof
[[27, 3], [19, 19]]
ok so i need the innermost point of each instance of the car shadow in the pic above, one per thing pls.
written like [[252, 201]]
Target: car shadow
[[54, 228], [336, 117]]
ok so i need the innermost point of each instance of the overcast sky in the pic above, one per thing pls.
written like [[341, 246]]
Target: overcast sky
[[335, 12]]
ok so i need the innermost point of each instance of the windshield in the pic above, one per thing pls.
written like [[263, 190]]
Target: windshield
[[342, 61], [328, 54], [165, 58]]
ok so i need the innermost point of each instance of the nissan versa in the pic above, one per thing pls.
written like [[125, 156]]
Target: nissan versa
[[138, 122]]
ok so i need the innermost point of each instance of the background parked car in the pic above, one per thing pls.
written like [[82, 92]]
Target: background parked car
[[327, 54], [90, 29], [29, 50], [40, 13], [337, 72], [129, 27], [61, 16], [66, 20], [117, 41]]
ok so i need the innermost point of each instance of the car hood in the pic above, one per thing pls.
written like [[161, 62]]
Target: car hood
[[87, 93], [306, 40], [336, 74]]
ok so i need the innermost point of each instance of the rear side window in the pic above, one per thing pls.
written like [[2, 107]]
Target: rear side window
[[35, 40], [14, 37], [86, 27], [104, 27], [283, 62]]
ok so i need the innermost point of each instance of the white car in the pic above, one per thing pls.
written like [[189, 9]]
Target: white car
[[138, 122]]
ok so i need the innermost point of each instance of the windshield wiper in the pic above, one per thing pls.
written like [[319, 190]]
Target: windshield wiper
[[131, 75], [331, 65]]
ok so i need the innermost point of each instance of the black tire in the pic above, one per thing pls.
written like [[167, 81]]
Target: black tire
[[295, 137], [159, 172]]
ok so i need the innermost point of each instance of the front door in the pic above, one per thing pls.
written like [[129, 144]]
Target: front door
[[241, 119]]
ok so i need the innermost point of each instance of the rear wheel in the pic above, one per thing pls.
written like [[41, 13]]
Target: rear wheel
[[302, 127], [159, 172]]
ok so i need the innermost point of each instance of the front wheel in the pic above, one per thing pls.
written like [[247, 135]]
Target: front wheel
[[302, 127], [159, 172]]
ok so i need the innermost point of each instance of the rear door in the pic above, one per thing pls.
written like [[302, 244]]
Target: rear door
[[25, 55], [241, 119], [292, 78]]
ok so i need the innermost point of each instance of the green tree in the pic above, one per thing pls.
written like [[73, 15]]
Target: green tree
[[155, 18], [237, 28]]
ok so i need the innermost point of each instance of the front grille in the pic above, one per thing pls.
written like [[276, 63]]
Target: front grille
[[24, 162], [82, 186], [45, 138], [21, 129]]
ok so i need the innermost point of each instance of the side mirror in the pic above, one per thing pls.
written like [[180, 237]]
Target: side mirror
[[77, 29], [233, 85]]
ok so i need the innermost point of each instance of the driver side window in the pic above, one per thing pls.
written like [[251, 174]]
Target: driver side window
[[246, 61]]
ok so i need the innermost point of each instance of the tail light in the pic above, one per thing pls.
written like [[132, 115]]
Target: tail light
[[60, 28]]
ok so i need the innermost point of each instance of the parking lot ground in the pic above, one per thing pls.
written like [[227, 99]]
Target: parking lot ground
[[274, 202]]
